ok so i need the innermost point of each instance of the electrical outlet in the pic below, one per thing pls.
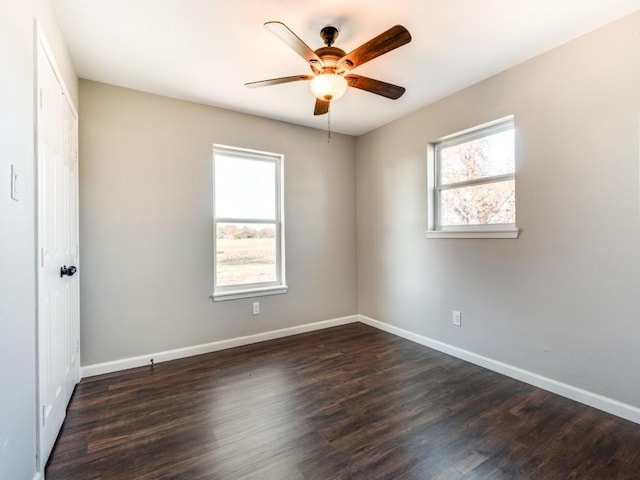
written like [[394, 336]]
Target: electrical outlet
[[457, 318], [256, 308]]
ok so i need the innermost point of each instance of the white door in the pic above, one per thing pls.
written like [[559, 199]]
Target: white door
[[58, 284]]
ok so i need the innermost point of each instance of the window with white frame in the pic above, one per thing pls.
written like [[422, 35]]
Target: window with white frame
[[474, 191], [248, 222]]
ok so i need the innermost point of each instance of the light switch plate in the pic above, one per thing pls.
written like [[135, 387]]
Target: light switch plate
[[15, 186]]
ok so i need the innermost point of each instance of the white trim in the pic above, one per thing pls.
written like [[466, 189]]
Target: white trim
[[142, 360], [436, 187], [231, 292], [511, 233], [478, 131], [254, 292], [606, 404], [42, 40]]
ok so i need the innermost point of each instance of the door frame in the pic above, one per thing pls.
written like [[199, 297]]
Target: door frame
[[42, 47]]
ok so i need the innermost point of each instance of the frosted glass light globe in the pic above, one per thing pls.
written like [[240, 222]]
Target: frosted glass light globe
[[328, 86]]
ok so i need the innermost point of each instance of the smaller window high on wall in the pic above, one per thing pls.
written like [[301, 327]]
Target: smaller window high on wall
[[473, 183], [248, 240]]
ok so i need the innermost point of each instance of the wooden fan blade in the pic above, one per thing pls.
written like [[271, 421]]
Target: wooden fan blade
[[277, 81], [285, 34], [322, 107], [385, 42], [375, 86]]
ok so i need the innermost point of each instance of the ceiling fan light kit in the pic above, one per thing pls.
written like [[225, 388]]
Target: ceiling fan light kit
[[328, 86], [331, 66]]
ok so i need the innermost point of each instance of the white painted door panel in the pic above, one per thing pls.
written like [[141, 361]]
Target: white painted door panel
[[58, 312]]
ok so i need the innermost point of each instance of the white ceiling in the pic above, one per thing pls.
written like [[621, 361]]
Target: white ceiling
[[205, 50]]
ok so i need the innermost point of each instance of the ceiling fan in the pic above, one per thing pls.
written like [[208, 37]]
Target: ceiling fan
[[331, 65]]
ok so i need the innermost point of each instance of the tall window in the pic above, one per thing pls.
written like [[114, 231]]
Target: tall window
[[248, 223], [474, 188]]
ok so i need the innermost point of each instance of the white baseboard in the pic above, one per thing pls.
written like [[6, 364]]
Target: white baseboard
[[606, 404], [141, 360], [586, 397]]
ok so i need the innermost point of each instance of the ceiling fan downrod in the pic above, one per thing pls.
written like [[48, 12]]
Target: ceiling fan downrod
[[329, 35]]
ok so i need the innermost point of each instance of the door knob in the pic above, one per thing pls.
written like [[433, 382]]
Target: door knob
[[64, 270]]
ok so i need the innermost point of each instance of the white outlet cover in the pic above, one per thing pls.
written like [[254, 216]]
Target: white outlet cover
[[457, 318]]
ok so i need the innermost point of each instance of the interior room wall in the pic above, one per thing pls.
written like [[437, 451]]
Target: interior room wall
[[146, 224], [562, 300], [17, 228]]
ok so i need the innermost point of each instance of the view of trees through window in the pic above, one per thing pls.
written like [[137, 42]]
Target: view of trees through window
[[245, 253], [477, 185]]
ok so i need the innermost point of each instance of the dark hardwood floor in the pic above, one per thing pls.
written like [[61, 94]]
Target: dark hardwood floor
[[349, 402]]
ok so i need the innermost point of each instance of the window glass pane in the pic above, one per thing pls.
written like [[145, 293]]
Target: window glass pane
[[490, 203], [245, 188], [483, 157], [245, 253]]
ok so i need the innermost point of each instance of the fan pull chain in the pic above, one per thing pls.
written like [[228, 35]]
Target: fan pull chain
[[329, 126]]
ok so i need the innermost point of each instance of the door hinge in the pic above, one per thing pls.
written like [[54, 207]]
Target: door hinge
[[41, 257], [44, 409], [77, 346]]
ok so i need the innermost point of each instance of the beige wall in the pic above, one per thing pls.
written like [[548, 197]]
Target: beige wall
[[17, 231], [146, 224], [563, 300]]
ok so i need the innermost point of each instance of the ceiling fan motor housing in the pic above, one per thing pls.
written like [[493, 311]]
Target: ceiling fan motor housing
[[329, 57]]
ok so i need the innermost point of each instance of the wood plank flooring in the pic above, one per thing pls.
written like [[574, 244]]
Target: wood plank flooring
[[349, 402]]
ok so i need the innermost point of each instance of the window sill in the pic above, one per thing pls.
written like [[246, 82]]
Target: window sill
[[498, 233], [256, 292]]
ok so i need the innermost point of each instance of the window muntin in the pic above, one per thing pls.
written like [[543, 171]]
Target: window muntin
[[475, 179], [248, 223]]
